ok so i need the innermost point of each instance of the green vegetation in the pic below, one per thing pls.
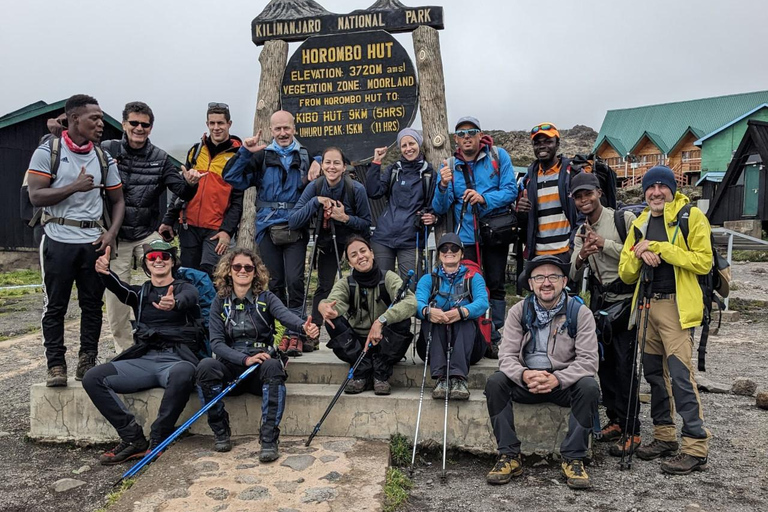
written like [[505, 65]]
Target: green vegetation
[[114, 496], [396, 490], [19, 278], [399, 451], [749, 256]]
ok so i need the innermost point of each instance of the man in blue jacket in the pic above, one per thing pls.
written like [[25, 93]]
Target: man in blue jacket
[[491, 189], [279, 172]]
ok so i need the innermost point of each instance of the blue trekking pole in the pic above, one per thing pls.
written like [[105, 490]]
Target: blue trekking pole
[[162, 446]]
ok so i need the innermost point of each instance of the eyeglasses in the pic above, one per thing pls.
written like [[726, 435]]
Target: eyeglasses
[[137, 123], [537, 129], [158, 255], [471, 132], [237, 267], [214, 104], [449, 248], [552, 278]]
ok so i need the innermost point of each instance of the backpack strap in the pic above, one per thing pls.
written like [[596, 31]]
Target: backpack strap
[[195, 150], [681, 221], [142, 295], [104, 165], [54, 145], [394, 175], [349, 191], [529, 313], [352, 310], [572, 306], [621, 226]]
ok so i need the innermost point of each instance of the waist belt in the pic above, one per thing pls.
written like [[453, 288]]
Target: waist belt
[[275, 205], [248, 344], [662, 296], [82, 224]]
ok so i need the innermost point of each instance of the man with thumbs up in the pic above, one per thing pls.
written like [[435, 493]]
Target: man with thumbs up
[[164, 354]]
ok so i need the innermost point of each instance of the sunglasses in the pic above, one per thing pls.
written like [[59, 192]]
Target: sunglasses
[[541, 127], [137, 123], [449, 248], [214, 104], [552, 278], [237, 267], [471, 132], [158, 255]]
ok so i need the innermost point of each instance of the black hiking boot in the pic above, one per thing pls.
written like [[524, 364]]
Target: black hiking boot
[[125, 451], [57, 377], [85, 362], [269, 451], [684, 464], [657, 449], [221, 433]]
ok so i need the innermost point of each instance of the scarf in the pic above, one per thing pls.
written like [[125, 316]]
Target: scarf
[[368, 279], [74, 147], [543, 315], [285, 153]]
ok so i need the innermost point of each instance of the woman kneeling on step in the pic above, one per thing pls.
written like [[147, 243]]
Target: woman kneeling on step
[[450, 300], [360, 317], [242, 328]]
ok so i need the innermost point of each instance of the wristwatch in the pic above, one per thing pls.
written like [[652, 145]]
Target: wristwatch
[[383, 320]]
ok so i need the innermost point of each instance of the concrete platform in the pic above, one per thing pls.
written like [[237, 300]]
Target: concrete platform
[[66, 414]]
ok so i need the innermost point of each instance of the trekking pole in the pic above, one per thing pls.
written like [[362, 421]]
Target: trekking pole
[[400, 294], [311, 265], [644, 305], [461, 216], [421, 396], [154, 453], [449, 332], [335, 247]]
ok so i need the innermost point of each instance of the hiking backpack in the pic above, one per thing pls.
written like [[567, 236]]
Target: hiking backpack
[[573, 304], [605, 175]]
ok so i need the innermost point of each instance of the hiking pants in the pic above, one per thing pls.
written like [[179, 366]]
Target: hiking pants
[[62, 266], [198, 251], [581, 397], [468, 348], [156, 369], [406, 259], [668, 348], [128, 256], [286, 272], [327, 271], [615, 374], [347, 345]]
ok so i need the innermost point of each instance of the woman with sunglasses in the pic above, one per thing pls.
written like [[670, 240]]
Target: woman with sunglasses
[[450, 302], [242, 328], [340, 208], [408, 185], [167, 341]]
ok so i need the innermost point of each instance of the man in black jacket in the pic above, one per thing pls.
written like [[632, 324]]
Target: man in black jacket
[[146, 171], [165, 353]]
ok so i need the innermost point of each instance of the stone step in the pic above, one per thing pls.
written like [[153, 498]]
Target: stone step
[[323, 367], [67, 414]]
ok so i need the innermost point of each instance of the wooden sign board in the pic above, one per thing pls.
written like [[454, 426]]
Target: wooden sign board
[[354, 91]]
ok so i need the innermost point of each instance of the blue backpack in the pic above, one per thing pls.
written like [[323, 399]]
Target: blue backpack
[[206, 293], [572, 306]]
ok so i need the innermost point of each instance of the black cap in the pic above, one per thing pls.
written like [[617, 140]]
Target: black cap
[[538, 261], [450, 238], [584, 181]]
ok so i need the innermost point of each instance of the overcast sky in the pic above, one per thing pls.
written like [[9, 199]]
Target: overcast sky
[[508, 62]]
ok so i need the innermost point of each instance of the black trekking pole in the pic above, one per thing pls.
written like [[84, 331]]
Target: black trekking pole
[[643, 306], [171, 438], [461, 215], [449, 351], [311, 264], [398, 297], [335, 247], [421, 394]]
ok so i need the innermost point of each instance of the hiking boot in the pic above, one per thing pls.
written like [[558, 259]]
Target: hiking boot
[[85, 362], [294, 347], [575, 475], [683, 464], [381, 387], [610, 432], [222, 442], [125, 451], [269, 451], [492, 352], [441, 388], [630, 444], [459, 390], [154, 443], [356, 386], [506, 467], [285, 341], [309, 345], [57, 377], [657, 449]]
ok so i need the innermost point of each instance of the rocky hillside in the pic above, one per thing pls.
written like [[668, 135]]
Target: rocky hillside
[[577, 140]]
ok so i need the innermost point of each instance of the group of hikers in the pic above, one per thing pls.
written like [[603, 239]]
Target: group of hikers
[[101, 218]]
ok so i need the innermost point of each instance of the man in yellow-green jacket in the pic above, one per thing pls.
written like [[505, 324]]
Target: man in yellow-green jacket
[[657, 249]]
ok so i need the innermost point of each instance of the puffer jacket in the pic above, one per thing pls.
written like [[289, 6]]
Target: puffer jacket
[[689, 261], [145, 173]]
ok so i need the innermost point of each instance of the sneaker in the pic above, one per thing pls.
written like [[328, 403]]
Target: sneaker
[[285, 341], [85, 362], [356, 386], [630, 444], [381, 387], [506, 467], [657, 449], [683, 464], [294, 346], [611, 432], [269, 451], [441, 388], [125, 451], [57, 377], [575, 475], [459, 390]]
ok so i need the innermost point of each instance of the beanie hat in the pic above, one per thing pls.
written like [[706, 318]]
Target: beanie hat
[[659, 174], [410, 132]]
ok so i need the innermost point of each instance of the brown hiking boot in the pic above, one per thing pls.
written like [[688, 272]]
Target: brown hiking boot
[[57, 377], [356, 386], [610, 432], [683, 464], [381, 387], [85, 362], [285, 341], [294, 346], [506, 467], [657, 449], [630, 444], [125, 451], [576, 476]]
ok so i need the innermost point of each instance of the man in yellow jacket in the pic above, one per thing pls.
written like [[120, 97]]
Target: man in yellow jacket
[[657, 248]]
